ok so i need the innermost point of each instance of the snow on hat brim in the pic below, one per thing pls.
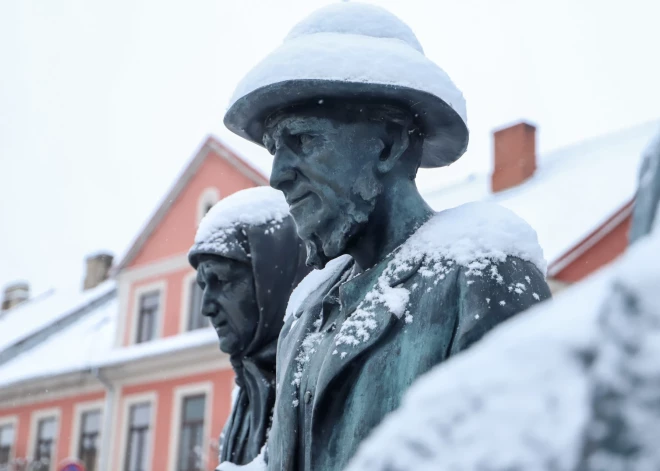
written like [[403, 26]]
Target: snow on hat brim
[[315, 67]]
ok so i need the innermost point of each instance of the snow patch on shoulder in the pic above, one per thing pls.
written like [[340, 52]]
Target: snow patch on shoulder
[[476, 232], [312, 281], [475, 236], [532, 404]]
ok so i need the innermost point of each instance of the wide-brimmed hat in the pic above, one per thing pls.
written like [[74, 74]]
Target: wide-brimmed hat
[[357, 52]]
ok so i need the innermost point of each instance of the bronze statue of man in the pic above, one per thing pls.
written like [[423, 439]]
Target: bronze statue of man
[[248, 259], [351, 108]]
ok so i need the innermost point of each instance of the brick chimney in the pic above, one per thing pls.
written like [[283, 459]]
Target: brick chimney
[[15, 294], [98, 269], [515, 155]]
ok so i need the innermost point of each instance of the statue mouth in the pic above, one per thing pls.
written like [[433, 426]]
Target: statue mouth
[[297, 200], [220, 326]]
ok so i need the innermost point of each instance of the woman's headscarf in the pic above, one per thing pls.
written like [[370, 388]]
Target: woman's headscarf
[[254, 226]]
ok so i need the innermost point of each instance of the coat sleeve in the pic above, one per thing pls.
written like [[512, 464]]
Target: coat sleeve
[[497, 293]]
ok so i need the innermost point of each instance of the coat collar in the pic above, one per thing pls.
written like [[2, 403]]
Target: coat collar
[[295, 330], [301, 323], [351, 294]]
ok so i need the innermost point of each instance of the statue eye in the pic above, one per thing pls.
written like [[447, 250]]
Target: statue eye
[[301, 141], [305, 139], [269, 144]]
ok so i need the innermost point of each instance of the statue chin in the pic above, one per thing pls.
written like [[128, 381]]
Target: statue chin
[[229, 345], [321, 251]]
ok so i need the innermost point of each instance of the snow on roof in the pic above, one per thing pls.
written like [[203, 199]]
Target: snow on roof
[[255, 155], [574, 190], [42, 311], [88, 344], [167, 345], [521, 397], [75, 348]]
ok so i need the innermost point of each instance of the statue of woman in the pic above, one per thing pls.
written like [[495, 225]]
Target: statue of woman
[[248, 259]]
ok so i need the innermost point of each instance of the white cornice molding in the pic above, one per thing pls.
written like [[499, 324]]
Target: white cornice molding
[[154, 269], [187, 362], [53, 388]]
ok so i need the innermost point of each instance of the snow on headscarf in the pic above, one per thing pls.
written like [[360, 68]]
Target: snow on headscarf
[[254, 226]]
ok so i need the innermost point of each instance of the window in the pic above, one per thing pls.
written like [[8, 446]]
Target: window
[[195, 318], [138, 437], [192, 434], [45, 441], [149, 303], [205, 202], [90, 429], [6, 442]]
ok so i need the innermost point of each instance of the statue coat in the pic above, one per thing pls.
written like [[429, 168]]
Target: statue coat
[[354, 393]]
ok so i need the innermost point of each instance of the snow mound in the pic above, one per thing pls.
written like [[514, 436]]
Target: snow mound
[[251, 207], [473, 234], [335, 44], [77, 347], [572, 384], [356, 18]]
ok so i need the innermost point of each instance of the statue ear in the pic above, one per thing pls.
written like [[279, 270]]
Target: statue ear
[[393, 150]]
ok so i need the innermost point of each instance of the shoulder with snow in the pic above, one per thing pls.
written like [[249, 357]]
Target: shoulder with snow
[[475, 233]]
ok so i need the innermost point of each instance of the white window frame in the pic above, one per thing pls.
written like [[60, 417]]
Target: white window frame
[[161, 287], [36, 416], [178, 396], [11, 420], [186, 294], [209, 196], [128, 402], [78, 410]]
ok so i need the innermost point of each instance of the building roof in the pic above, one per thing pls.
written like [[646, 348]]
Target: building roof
[[40, 313], [88, 344], [573, 192], [75, 348]]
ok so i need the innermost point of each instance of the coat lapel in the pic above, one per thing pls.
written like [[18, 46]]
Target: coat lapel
[[353, 294], [285, 425]]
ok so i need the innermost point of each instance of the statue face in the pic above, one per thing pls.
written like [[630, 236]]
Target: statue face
[[326, 168], [229, 301]]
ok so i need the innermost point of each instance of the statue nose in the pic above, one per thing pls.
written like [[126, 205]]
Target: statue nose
[[210, 308], [283, 172]]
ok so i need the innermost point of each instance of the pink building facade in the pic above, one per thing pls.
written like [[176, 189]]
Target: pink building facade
[[155, 391]]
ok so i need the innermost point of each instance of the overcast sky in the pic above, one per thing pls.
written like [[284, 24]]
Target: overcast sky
[[103, 103]]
